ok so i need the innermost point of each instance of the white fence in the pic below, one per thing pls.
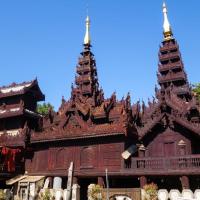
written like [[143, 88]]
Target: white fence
[[59, 194], [176, 194]]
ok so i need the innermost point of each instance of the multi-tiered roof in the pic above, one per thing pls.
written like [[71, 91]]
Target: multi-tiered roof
[[18, 117], [171, 69], [18, 104], [87, 113], [175, 103]]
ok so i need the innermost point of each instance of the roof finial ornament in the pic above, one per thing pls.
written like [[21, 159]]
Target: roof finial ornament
[[166, 25], [87, 32]]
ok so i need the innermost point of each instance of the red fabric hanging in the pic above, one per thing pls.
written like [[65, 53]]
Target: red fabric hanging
[[10, 155], [4, 150]]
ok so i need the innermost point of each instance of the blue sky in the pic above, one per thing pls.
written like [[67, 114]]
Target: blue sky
[[43, 39]]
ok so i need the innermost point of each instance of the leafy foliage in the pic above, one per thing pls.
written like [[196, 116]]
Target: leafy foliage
[[95, 192], [196, 90], [151, 191], [46, 195], [44, 108], [2, 195]]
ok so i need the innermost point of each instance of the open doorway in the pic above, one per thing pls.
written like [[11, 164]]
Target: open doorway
[[84, 183], [124, 182], [166, 182]]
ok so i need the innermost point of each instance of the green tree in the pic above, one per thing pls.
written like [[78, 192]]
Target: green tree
[[196, 90], [44, 108]]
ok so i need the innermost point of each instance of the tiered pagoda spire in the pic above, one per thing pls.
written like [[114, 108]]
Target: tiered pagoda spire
[[87, 31], [86, 79], [171, 73], [87, 113], [174, 106], [166, 25]]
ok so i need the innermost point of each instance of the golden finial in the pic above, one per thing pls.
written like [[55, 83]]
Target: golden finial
[[87, 32], [166, 25]]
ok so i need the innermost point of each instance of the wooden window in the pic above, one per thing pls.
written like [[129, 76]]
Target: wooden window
[[169, 149], [87, 157], [60, 158]]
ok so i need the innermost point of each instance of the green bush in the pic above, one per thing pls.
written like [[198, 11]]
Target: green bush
[[151, 191], [2, 195], [95, 192], [46, 195]]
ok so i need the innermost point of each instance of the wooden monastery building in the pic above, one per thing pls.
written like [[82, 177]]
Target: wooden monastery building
[[137, 143]]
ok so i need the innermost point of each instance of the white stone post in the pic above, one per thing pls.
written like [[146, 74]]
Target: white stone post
[[57, 183], [75, 192]]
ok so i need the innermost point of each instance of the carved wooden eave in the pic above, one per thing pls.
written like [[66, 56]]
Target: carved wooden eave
[[61, 135], [87, 114], [15, 138], [178, 113], [116, 112], [12, 141], [73, 126], [147, 128], [11, 111], [37, 140], [20, 89], [65, 107], [16, 110], [99, 112], [194, 128], [76, 120]]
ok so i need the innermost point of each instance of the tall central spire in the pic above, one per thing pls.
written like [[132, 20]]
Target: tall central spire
[[86, 79], [166, 25], [171, 73], [87, 32]]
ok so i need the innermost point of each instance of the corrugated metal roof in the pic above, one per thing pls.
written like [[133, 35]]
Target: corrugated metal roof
[[32, 179], [15, 179]]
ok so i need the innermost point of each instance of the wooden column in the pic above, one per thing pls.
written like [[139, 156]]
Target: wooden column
[[75, 180], [143, 181], [185, 182], [100, 181], [142, 151], [182, 148], [141, 163], [50, 182]]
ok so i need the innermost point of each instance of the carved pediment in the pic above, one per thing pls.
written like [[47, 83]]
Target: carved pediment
[[83, 108], [99, 112], [73, 122]]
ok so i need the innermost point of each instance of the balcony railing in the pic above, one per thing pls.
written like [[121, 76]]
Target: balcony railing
[[169, 66], [83, 78], [189, 162], [84, 59], [168, 56], [181, 89], [171, 77], [83, 69], [86, 89], [169, 47]]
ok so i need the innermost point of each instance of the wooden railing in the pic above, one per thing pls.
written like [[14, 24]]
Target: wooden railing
[[83, 78], [84, 59], [169, 47], [168, 66], [85, 68], [172, 76], [181, 89], [165, 163], [168, 56]]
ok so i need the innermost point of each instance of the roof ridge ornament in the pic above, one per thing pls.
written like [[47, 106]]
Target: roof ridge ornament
[[168, 35], [87, 39]]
